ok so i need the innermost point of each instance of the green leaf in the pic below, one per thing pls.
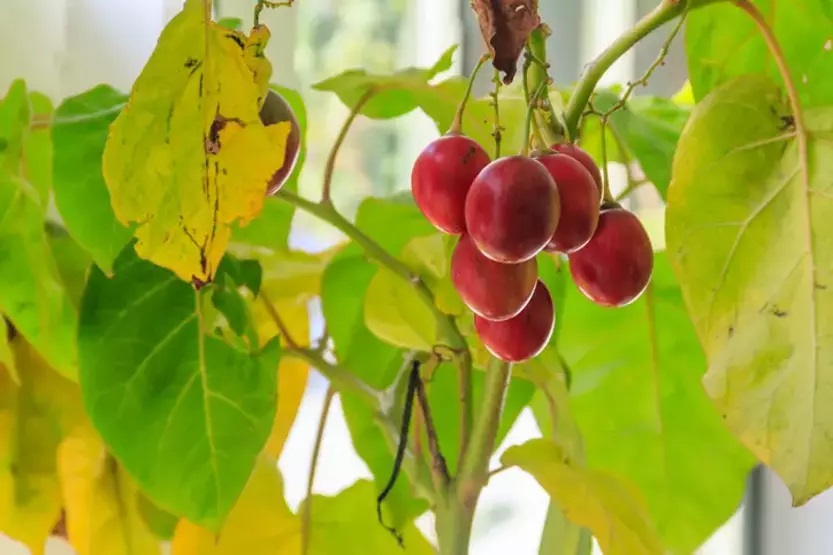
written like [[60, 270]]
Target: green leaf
[[346, 524], [153, 383], [81, 196], [31, 293], [396, 315], [397, 94], [648, 128], [272, 227], [608, 506], [748, 232], [722, 43], [160, 522], [72, 262], [636, 385], [37, 144]]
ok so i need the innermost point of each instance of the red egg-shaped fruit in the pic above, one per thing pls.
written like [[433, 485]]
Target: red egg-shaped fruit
[[614, 268], [490, 289], [580, 202], [512, 209], [524, 336], [441, 177], [583, 157], [276, 109]]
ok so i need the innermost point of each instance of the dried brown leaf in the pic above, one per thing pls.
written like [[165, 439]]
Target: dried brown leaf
[[505, 26]]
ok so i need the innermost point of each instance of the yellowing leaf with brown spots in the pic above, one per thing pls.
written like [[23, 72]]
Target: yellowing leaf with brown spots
[[34, 417], [188, 155], [259, 524], [100, 500]]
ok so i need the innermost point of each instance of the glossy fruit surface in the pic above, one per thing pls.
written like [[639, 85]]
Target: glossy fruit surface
[[441, 177], [512, 209], [276, 109], [582, 156], [580, 200], [524, 336], [615, 266], [491, 289]]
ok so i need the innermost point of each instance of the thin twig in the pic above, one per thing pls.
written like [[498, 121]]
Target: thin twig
[[306, 515], [281, 325], [463, 363], [439, 468], [497, 132], [495, 471], [329, 168], [457, 122]]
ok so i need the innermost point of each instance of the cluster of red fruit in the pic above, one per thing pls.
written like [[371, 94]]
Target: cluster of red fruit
[[506, 212]]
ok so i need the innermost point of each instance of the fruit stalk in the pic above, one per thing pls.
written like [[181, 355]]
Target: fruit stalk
[[537, 73], [457, 124], [663, 13]]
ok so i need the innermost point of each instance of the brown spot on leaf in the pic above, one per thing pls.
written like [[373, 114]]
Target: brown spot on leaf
[[505, 26], [60, 528]]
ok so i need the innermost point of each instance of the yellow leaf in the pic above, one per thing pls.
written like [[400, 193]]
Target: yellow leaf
[[259, 524], [607, 506], [188, 156], [34, 417], [100, 500]]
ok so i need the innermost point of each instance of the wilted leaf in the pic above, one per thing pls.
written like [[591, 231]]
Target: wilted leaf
[[153, 382], [34, 418], [188, 156], [260, 523], [31, 294], [722, 43], [396, 94], [505, 26], [748, 233], [100, 500], [606, 505]]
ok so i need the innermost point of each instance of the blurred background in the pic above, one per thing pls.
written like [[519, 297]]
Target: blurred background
[[63, 47]]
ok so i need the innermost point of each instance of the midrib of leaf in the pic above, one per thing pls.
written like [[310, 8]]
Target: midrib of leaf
[[206, 400]]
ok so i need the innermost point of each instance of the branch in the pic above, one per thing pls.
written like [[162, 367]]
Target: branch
[[329, 168], [663, 13], [475, 469], [316, 451]]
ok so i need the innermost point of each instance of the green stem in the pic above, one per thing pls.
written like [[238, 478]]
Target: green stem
[[455, 511], [537, 48], [663, 13]]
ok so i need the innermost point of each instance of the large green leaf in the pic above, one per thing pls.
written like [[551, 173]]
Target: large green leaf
[[748, 232], [82, 198], [184, 412], [637, 397], [31, 293], [607, 505], [722, 42]]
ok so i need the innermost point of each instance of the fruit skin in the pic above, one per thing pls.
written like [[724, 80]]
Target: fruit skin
[[615, 267], [581, 155], [276, 109], [441, 177], [580, 202], [524, 336], [490, 289], [512, 209]]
